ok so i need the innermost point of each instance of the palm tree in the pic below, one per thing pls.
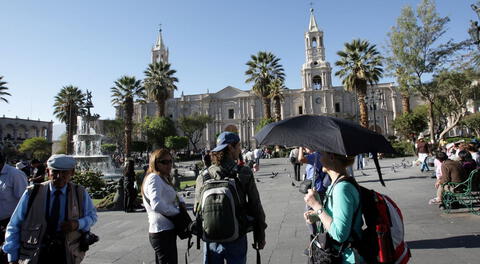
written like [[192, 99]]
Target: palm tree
[[69, 103], [360, 64], [276, 88], [3, 90], [159, 82], [125, 93], [263, 68]]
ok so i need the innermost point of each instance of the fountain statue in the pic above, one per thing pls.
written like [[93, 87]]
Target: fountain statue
[[87, 145]]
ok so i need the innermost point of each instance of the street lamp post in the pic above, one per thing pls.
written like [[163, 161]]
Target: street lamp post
[[375, 97]]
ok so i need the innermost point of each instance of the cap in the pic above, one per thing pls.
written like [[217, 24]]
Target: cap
[[225, 139], [20, 165], [61, 162]]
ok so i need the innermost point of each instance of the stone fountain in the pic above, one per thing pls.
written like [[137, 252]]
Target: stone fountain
[[87, 145]]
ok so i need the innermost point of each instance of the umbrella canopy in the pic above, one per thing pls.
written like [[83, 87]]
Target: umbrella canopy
[[323, 133]]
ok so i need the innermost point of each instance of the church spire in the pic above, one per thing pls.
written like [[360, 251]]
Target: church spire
[[312, 27], [159, 50]]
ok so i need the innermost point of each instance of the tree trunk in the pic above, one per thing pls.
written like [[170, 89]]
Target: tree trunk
[[266, 108], [68, 146], [128, 126], [363, 109], [431, 123], [278, 109], [405, 103], [161, 108]]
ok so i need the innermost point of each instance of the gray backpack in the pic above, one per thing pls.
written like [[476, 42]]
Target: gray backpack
[[221, 216]]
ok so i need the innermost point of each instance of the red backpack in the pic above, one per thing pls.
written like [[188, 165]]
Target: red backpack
[[382, 240]]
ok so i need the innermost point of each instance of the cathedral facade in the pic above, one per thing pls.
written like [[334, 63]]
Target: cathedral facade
[[233, 109]]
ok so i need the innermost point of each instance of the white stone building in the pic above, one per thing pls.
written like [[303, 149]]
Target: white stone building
[[235, 109]]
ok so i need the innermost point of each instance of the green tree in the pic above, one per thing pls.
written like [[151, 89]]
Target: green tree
[[277, 88], [159, 83], [69, 103], [139, 146], [114, 131], [157, 129], [176, 142], [472, 122], [456, 89], [108, 148], [263, 68], [420, 51], [409, 124], [263, 122], [360, 64], [193, 126], [3, 90], [126, 91], [36, 147]]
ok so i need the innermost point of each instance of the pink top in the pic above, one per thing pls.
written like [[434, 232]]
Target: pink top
[[438, 168]]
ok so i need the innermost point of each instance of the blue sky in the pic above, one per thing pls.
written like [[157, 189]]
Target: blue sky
[[47, 44]]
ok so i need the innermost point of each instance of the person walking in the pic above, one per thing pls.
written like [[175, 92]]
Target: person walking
[[39, 171], [54, 234], [336, 213], [296, 164], [224, 157], [161, 201], [422, 149], [130, 193], [13, 183]]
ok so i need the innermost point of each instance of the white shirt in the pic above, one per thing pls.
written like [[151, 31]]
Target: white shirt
[[248, 156], [256, 153], [162, 201]]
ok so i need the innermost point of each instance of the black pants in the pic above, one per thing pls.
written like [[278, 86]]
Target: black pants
[[296, 169], [165, 245]]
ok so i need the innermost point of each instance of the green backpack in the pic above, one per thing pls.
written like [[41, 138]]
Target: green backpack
[[221, 216]]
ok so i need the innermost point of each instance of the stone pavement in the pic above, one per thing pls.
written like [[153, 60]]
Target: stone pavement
[[434, 237]]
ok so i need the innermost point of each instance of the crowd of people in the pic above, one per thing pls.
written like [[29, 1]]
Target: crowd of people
[[331, 201], [453, 162]]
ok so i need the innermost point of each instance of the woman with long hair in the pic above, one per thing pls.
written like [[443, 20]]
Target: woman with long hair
[[340, 213], [161, 200]]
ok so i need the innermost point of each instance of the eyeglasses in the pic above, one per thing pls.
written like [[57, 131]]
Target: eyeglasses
[[165, 162]]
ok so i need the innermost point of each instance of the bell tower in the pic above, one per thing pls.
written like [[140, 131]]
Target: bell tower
[[316, 72], [159, 50]]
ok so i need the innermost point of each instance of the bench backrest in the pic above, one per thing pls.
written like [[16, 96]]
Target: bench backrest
[[474, 180]]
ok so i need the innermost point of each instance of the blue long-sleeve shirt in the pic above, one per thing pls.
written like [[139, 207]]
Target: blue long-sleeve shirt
[[12, 235]]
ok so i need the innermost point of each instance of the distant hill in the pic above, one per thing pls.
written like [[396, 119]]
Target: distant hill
[[58, 130]]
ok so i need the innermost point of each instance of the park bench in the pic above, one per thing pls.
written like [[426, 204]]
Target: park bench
[[465, 193]]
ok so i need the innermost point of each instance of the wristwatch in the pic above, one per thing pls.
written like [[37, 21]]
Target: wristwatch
[[319, 211]]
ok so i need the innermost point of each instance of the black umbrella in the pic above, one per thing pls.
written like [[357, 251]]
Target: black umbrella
[[324, 133]]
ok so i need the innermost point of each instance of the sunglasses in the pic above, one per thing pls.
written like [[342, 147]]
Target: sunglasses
[[165, 162]]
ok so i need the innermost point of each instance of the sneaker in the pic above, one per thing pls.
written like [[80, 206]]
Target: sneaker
[[434, 201]]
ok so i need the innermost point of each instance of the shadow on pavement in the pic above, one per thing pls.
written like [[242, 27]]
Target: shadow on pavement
[[466, 241], [396, 179]]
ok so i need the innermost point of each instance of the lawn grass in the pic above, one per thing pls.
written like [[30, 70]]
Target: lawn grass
[[184, 184]]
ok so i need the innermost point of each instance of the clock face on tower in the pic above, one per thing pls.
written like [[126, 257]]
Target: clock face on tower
[[317, 100]]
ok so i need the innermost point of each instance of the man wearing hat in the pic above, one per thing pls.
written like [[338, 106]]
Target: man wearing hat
[[224, 164], [12, 185], [36, 235]]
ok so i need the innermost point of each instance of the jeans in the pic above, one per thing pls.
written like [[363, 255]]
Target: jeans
[[165, 245], [424, 165], [360, 162], [234, 252]]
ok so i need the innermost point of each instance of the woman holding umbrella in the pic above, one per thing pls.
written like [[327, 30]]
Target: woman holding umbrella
[[336, 214]]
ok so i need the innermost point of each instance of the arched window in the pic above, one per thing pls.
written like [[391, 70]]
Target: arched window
[[317, 82], [314, 43]]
